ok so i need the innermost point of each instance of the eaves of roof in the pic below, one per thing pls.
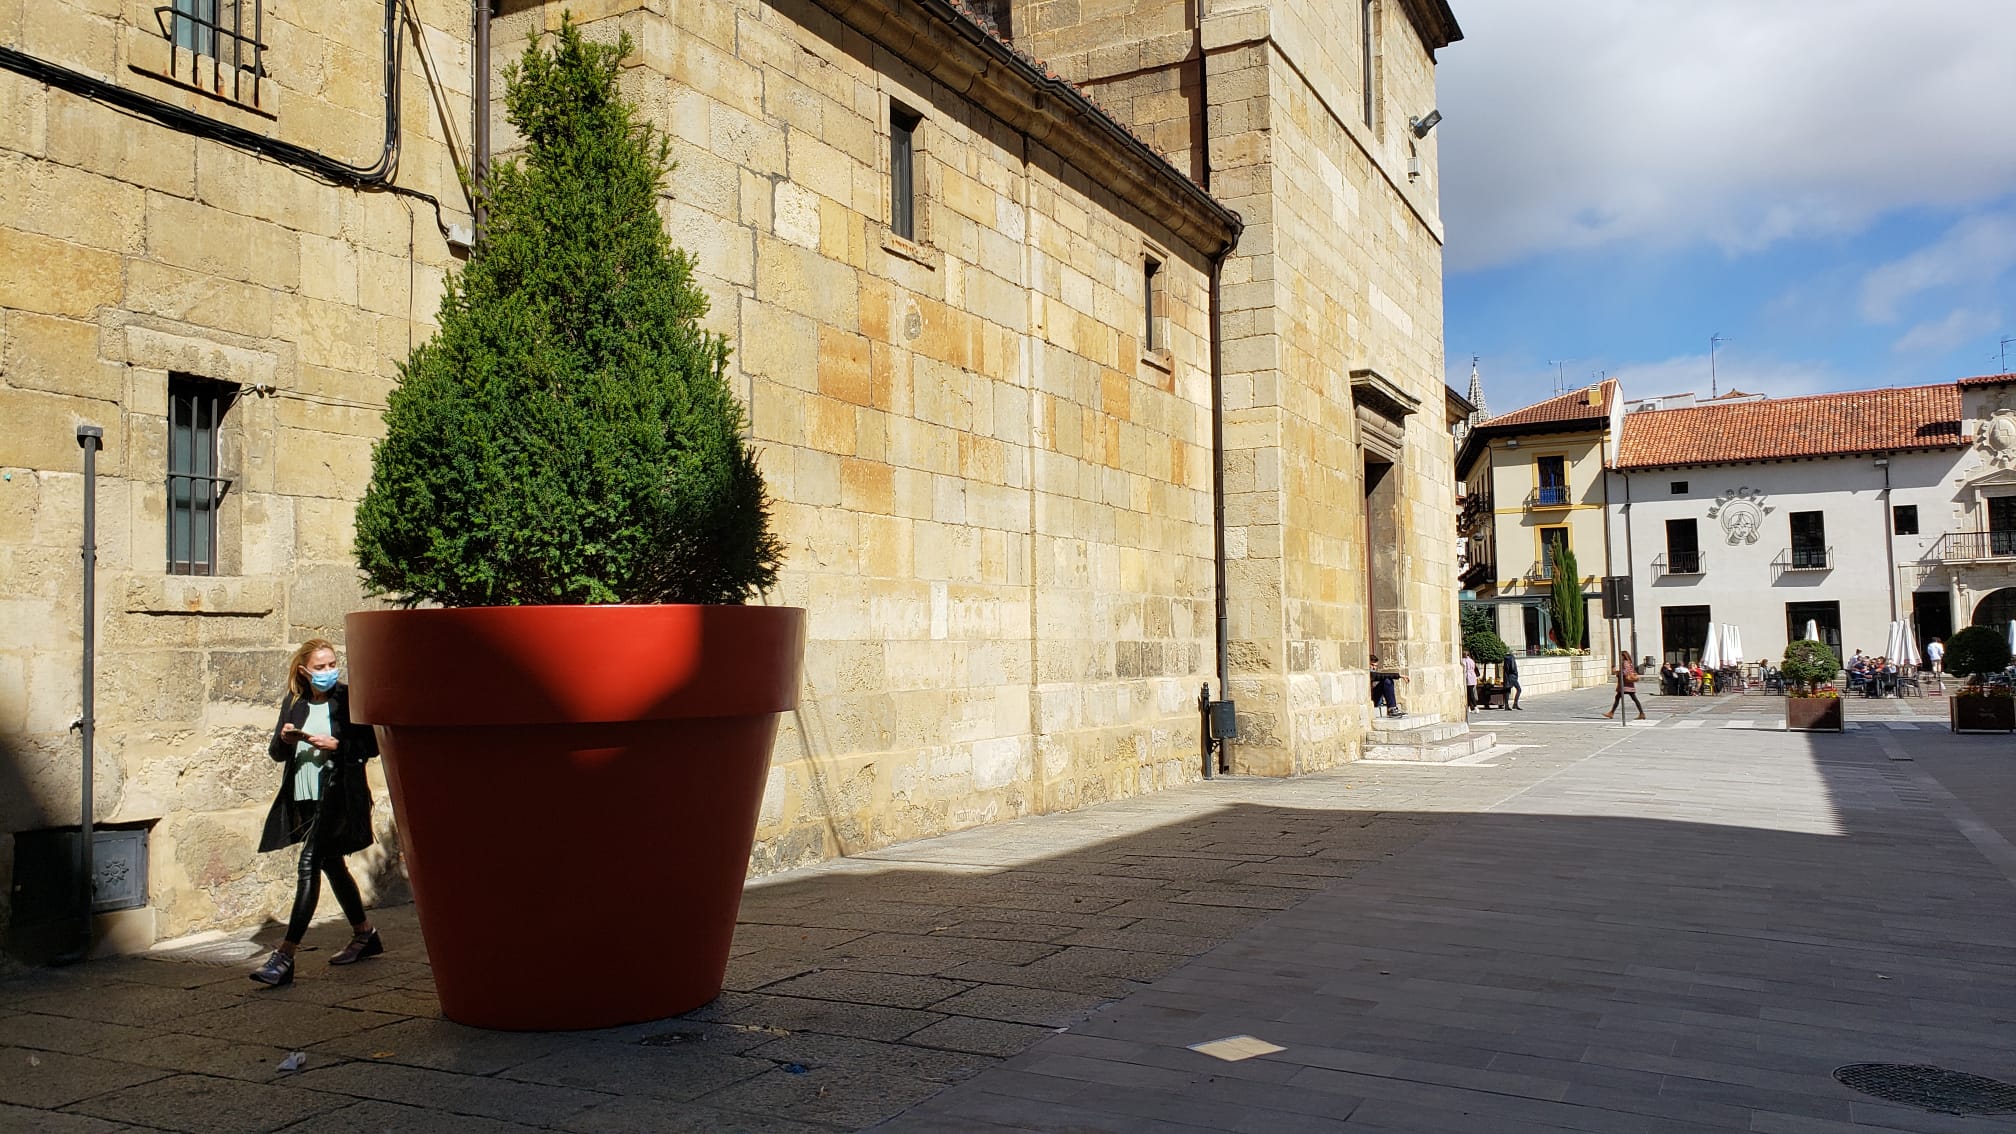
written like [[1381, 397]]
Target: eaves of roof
[[956, 44]]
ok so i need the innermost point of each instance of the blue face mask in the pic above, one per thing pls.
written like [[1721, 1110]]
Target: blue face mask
[[324, 679]]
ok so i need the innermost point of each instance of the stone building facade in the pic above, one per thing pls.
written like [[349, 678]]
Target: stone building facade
[[989, 422]]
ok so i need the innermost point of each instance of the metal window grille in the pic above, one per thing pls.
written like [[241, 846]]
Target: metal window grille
[[232, 32], [196, 408], [1151, 279], [903, 173]]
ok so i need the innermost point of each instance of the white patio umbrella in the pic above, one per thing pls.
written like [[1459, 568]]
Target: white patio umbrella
[[1732, 644], [1911, 656], [1711, 654], [2012, 635], [1812, 630]]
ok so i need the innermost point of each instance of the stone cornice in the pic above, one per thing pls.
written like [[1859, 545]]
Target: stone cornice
[[938, 38], [1434, 22]]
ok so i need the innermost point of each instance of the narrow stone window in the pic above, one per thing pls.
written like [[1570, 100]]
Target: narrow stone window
[[1367, 36], [1152, 304], [229, 33], [196, 488], [1904, 519], [903, 171]]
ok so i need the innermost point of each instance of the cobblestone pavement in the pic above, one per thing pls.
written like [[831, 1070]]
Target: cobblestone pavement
[[1684, 925]]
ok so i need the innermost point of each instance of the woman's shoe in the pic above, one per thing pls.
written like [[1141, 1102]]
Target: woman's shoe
[[361, 945], [278, 970]]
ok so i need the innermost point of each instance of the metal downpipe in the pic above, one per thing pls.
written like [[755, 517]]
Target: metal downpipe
[[91, 438]]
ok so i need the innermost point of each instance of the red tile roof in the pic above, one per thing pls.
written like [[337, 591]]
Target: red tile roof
[[1566, 409], [1818, 425], [1989, 380]]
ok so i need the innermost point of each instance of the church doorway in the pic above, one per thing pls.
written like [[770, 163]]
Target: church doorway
[[1382, 557]]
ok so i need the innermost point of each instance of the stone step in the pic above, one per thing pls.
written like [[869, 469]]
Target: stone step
[[1438, 752], [1424, 729]]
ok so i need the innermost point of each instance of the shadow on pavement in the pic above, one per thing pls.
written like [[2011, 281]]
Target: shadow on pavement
[[1583, 954]]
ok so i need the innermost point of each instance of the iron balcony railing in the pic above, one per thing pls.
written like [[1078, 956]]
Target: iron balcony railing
[[1962, 546], [1805, 559], [1550, 496], [1680, 563], [1479, 572]]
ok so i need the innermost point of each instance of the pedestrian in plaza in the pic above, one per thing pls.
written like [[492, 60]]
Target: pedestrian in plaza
[[1935, 656], [1627, 686], [1512, 690], [1469, 680], [324, 803]]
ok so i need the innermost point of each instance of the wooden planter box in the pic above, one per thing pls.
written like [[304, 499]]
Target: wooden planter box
[[1981, 714], [1813, 714]]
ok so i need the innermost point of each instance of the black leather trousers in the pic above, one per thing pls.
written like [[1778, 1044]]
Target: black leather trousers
[[308, 885]]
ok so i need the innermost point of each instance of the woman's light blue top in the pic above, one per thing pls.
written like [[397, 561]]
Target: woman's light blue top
[[308, 759]]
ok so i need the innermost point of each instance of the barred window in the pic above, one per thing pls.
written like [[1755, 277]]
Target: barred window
[[196, 409], [230, 32]]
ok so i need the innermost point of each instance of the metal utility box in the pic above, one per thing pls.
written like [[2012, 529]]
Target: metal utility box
[[45, 872], [1224, 720]]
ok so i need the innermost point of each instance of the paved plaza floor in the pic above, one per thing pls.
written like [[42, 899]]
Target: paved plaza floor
[[1685, 924]]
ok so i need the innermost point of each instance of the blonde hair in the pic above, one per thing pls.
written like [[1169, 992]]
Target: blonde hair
[[295, 682]]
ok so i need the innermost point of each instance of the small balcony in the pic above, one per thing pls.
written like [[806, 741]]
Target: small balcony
[[1478, 573], [1541, 572], [1679, 563], [1975, 547], [1550, 496], [1804, 559]]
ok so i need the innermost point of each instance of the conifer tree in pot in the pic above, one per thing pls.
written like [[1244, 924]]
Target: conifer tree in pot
[[577, 720], [1977, 653]]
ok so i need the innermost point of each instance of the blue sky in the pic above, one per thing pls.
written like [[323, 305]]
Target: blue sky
[[1829, 184]]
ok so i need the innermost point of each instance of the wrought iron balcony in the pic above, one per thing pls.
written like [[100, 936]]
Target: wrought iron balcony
[[1680, 563], [1964, 547], [1804, 559], [1550, 496], [1482, 571], [1541, 572]]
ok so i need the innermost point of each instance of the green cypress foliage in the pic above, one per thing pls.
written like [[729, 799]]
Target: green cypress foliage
[[1571, 606], [569, 435]]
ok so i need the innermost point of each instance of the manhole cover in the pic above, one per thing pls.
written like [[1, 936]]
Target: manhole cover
[[1930, 1088]]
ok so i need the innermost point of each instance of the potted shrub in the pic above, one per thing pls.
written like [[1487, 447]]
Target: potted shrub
[[1488, 649], [1978, 652], [1812, 703], [577, 726]]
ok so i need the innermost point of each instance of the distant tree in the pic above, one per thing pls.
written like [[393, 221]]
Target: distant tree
[[1809, 663], [1571, 606], [1977, 652]]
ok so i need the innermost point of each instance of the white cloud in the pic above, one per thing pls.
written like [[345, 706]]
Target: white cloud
[[1937, 336], [1576, 123], [1973, 252]]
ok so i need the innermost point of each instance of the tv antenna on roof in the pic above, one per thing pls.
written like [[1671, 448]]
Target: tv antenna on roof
[[1560, 378], [2005, 352], [1715, 340]]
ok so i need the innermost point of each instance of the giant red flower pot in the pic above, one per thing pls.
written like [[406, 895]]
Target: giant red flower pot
[[576, 789]]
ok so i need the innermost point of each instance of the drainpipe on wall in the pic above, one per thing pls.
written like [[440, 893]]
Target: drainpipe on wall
[[479, 97], [1630, 556], [91, 438], [1889, 537]]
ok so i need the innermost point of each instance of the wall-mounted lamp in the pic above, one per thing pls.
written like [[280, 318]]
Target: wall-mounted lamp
[[1882, 462], [1421, 126]]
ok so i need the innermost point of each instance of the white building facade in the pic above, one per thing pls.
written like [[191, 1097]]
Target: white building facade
[[1847, 511]]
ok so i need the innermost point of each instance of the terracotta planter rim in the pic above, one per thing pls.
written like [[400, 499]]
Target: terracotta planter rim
[[571, 664]]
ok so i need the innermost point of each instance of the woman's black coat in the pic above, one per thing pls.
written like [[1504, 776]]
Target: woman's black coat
[[344, 823]]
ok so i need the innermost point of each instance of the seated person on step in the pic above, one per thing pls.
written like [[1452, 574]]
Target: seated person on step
[[1383, 689]]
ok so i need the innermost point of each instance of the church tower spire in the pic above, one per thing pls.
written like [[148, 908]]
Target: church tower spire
[[1476, 394]]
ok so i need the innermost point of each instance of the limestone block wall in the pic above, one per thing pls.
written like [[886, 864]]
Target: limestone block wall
[[130, 250], [995, 495]]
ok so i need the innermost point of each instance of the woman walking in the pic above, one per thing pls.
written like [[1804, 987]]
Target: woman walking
[[1627, 686], [324, 803]]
